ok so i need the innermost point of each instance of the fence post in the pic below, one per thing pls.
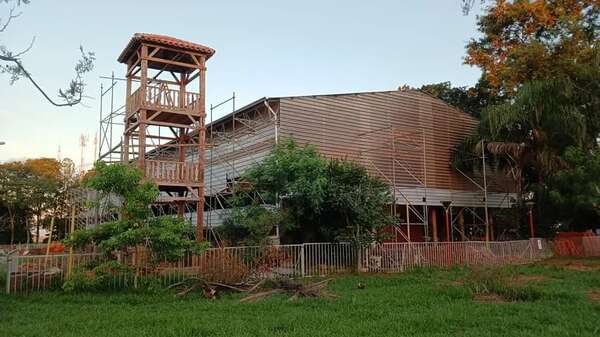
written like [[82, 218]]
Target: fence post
[[8, 267], [531, 249], [302, 270], [358, 258]]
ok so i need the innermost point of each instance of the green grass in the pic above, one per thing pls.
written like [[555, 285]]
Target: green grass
[[420, 303]]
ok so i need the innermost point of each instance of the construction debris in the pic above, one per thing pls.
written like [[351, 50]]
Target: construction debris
[[260, 290]]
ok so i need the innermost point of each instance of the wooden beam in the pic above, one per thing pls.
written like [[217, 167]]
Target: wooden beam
[[175, 63]]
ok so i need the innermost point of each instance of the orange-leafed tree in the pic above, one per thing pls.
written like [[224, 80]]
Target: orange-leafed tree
[[524, 40]]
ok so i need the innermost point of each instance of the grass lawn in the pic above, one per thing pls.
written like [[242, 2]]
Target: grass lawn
[[558, 298]]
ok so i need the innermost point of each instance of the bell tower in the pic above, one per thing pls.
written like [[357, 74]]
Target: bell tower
[[165, 118]]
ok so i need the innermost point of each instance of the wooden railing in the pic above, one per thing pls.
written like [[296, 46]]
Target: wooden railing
[[171, 171], [158, 98]]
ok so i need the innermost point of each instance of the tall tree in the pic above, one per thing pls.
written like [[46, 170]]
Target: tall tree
[[575, 191], [470, 100], [524, 40], [34, 188]]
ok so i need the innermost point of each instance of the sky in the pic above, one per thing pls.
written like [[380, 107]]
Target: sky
[[263, 48]]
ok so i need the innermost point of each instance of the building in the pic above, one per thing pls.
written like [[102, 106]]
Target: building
[[404, 138]]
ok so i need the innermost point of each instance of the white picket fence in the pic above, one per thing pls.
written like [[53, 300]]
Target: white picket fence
[[23, 273]]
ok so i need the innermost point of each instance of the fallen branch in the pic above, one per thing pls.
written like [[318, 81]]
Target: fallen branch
[[278, 286]]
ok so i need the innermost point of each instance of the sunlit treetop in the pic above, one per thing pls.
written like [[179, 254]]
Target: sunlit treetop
[[525, 40]]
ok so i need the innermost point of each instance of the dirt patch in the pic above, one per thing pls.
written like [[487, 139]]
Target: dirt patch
[[581, 267], [457, 283], [594, 296], [524, 279], [572, 264], [488, 298]]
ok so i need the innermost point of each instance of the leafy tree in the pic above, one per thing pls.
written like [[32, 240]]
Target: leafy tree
[[534, 129], [11, 62], [354, 204], [166, 237], [321, 199], [575, 191], [524, 40], [251, 225], [470, 100], [35, 187], [14, 197]]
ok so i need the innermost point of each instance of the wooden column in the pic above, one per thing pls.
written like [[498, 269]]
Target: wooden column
[[142, 116], [201, 149], [433, 221], [461, 225]]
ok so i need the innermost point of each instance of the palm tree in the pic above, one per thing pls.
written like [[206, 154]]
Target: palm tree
[[531, 131], [528, 134]]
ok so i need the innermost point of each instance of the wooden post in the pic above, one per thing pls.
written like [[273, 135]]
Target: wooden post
[[448, 228], [531, 225], [143, 116], [49, 241], [433, 219], [408, 221], [201, 149], [71, 230], [461, 225]]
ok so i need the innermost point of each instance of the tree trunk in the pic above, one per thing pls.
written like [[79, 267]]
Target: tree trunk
[[27, 229], [11, 217], [37, 230]]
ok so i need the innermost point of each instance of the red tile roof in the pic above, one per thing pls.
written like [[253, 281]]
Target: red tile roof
[[162, 40]]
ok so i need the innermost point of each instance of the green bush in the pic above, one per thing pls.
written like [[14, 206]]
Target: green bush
[[99, 277]]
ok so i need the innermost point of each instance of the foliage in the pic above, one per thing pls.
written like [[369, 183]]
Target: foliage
[[354, 205], [525, 40], [470, 100], [529, 135], [541, 60], [167, 238], [250, 225], [533, 129], [575, 191], [322, 199], [126, 182], [35, 187], [98, 277], [11, 62], [296, 174]]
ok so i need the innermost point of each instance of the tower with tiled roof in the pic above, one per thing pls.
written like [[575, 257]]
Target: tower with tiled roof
[[165, 118]]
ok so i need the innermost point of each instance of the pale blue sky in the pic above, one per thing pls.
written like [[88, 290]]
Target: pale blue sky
[[264, 48]]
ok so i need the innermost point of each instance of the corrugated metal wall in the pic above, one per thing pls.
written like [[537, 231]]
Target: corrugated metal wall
[[229, 156], [404, 137]]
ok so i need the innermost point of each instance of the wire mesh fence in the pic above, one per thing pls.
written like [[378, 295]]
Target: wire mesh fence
[[398, 257], [22, 247], [231, 265]]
